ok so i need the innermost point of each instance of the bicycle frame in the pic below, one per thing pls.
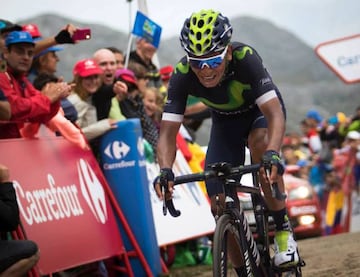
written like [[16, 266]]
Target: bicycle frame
[[255, 261]]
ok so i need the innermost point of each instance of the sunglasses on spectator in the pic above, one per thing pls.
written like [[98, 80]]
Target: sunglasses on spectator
[[211, 62]]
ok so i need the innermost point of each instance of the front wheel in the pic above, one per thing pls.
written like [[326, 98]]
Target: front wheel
[[224, 229]]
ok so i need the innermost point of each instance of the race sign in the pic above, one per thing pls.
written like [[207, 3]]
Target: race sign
[[343, 57]]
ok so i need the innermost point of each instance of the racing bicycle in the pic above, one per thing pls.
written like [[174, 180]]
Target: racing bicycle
[[256, 253]]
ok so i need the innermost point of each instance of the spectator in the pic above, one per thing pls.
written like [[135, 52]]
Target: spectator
[[119, 57], [313, 120], [27, 103], [5, 28], [132, 106], [334, 205], [165, 74], [87, 80], [351, 124], [153, 104], [143, 54], [17, 257], [107, 62], [46, 63], [109, 88], [141, 75], [346, 163]]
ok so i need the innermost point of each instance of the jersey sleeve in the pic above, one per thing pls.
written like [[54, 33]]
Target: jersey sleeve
[[178, 92]]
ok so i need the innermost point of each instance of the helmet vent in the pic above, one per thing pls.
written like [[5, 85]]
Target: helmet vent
[[200, 23], [198, 47]]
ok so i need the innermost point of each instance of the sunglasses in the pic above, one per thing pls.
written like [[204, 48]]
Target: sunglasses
[[212, 62]]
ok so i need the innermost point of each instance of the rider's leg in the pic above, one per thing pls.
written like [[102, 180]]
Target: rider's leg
[[286, 252]]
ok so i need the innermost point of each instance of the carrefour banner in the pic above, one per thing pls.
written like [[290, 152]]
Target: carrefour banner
[[63, 205]]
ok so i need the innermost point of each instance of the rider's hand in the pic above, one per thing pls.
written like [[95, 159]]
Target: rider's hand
[[271, 162], [165, 178]]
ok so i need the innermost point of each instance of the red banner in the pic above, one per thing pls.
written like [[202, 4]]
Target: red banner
[[63, 205]]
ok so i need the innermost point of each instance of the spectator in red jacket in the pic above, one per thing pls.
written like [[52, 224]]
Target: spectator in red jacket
[[27, 103]]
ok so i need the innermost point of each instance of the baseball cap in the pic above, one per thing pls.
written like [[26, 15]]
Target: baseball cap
[[16, 37], [50, 49], [47, 50], [32, 29], [87, 67], [7, 26], [355, 135], [127, 75], [314, 114], [166, 72]]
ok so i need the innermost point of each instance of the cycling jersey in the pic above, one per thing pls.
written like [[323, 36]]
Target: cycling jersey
[[246, 83]]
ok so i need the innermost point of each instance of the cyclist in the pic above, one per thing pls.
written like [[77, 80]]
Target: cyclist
[[246, 109]]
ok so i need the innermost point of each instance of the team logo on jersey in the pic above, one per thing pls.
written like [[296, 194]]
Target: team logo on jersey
[[265, 81]]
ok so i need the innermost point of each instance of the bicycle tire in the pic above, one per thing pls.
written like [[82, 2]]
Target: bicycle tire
[[225, 226]]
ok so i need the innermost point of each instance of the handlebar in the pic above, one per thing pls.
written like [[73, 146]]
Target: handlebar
[[218, 170]]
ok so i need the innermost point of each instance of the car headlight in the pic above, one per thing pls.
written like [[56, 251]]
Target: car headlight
[[301, 192]]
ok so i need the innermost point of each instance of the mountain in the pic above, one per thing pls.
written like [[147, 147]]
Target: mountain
[[304, 81]]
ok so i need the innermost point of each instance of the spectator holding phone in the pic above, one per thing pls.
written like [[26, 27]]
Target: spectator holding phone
[[46, 61], [27, 103]]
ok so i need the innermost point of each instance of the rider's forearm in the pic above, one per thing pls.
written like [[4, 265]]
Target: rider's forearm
[[166, 149], [276, 129]]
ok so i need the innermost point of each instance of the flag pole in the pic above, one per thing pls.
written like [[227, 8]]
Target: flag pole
[[131, 37]]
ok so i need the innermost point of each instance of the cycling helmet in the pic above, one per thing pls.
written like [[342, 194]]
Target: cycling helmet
[[204, 32]]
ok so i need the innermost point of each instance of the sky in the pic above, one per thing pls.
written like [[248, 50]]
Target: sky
[[313, 21]]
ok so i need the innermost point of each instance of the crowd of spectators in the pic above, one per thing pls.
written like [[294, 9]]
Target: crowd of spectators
[[326, 152]]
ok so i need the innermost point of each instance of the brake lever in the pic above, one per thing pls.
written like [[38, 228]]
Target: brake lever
[[164, 208], [275, 192], [168, 204]]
